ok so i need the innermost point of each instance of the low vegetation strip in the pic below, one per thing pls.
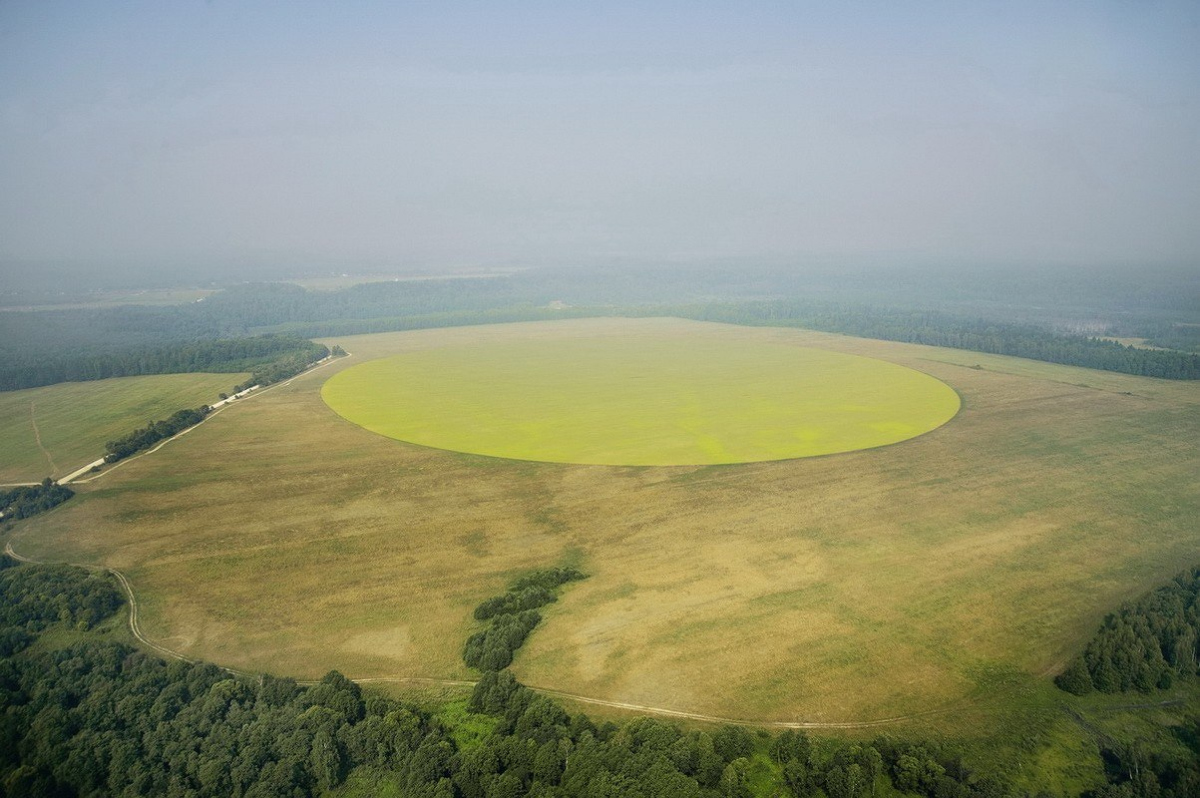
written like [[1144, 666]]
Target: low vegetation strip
[[1145, 645], [76, 419], [931, 328], [152, 433], [145, 437], [513, 616], [288, 366]]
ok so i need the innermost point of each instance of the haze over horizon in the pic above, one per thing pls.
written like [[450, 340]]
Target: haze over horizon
[[451, 135]]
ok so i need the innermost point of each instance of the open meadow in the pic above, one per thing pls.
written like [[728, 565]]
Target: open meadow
[[52, 431], [871, 584]]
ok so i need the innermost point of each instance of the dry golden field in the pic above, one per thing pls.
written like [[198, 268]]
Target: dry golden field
[[278, 536]]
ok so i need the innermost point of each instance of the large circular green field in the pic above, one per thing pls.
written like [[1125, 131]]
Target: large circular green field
[[640, 400]]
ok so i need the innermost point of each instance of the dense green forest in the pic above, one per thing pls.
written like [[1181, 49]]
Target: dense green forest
[[287, 365], [1060, 316], [26, 500], [958, 332], [1146, 644], [88, 717], [127, 355]]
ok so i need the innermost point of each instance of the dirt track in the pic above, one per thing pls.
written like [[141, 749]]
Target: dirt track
[[136, 631]]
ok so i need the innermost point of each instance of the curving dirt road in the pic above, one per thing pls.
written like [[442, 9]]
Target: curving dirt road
[[646, 709]]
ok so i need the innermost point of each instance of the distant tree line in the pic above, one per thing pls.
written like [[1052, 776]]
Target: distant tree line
[[922, 326], [1145, 645], [1057, 316], [957, 332], [26, 500], [513, 616], [285, 367], [98, 359], [152, 433]]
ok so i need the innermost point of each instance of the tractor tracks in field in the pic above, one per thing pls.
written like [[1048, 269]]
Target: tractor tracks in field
[[37, 436]]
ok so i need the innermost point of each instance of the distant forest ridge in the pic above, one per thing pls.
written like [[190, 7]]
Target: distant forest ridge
[[263, 355], [1067, 320]]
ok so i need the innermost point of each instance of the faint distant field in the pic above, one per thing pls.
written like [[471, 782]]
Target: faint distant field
[[347, 280], [109, 299], [864, 585], [640, 400], [75, 419]]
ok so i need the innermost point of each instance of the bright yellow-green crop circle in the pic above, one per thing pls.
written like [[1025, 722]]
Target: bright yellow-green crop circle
[[640, 400]]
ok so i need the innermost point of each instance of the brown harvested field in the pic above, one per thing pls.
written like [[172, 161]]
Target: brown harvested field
[[278, 536]]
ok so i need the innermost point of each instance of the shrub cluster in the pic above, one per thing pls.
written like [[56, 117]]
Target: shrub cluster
[[30, 500], [513, 616], [1147, 644], [152, 433]]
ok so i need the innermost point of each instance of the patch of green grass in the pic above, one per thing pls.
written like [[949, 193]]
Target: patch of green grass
[[364, 782], [59, 636], [647, 400], [53, 430], [764, 777], [467, 728]]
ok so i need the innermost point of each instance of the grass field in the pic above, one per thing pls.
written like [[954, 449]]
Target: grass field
[[640, 400], [54, 430], [956, 570]]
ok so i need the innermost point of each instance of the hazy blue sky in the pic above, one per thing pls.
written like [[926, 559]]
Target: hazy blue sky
[[431, 134]]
